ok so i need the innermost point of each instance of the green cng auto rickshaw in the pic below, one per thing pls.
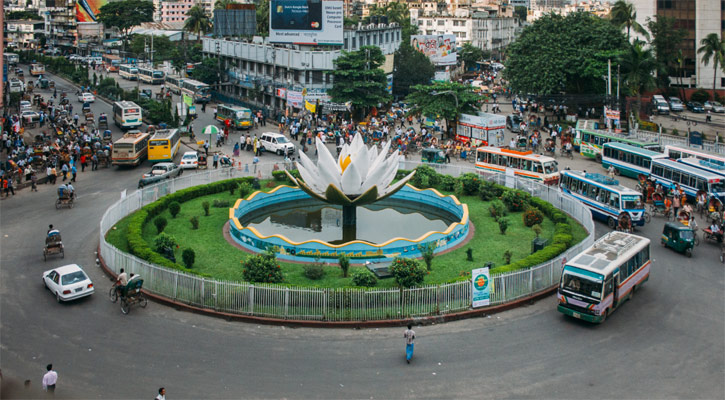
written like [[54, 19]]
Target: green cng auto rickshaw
[[433, 155], [679, 237]]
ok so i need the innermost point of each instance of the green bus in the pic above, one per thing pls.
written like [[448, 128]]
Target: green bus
[[591, 143]]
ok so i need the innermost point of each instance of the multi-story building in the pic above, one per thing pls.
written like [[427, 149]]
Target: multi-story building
[[491, 32], [175, 11], [60, 23], [459, 24], [23, 33], [595, 7], [276, 76], [698, 18]]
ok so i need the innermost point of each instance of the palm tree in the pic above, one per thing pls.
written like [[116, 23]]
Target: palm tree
[[222, 4], [623, 14], [712, 48], [197, 22], [638, 63]]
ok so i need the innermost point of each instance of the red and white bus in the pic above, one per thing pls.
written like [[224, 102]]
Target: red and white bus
[[525, 164], [111, 62]]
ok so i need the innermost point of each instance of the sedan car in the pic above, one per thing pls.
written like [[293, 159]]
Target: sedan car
[[695, 107], [19, 72], [30, 117], [25, 105], [160, 171], [86, 98], [714, 106], [190, 160], [68, 282]]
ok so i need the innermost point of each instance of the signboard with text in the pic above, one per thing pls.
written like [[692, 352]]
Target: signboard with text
[[481, 289], [306, 21], [440, 49]]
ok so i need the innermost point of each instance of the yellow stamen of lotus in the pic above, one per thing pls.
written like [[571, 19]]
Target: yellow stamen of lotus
[[345, 162]]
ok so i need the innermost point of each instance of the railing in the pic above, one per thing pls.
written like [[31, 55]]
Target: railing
[[680, 141], [341, 304]]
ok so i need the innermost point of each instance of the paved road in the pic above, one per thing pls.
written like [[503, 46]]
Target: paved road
[[669, 342]]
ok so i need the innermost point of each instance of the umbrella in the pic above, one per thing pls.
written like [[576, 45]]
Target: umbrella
[[210, 130]]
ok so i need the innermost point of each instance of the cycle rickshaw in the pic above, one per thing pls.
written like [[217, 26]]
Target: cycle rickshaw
[[53, 245], [130, 295]]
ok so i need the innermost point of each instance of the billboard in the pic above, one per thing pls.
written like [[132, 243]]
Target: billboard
[[88, 10], [306, 21], [440, 49]]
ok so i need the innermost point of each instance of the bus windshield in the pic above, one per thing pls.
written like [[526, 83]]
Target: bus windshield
[[120, 146], [551, 167], [632, 202], [717, 187], [158, 74], [243, 115], [158, 143], [582, 282]]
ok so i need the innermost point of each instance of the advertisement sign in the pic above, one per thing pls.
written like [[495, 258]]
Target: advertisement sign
[[611, 114], [440, 49], [389, 85], [88, 10], [281, 93], [485, 127], [306, 21], [294, 99], [481, 289]]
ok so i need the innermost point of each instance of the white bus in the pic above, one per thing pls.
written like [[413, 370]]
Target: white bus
[[151, 75], [691, 180], [173, 83], [596, 282], [131, 149], [520, 163], [37, 69], [11, 59], [128, 72], [676, 152], [199, 91], [127, 114]]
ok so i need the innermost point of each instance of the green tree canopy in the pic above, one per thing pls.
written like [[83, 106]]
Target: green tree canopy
[[263, 18], [163, 47], [222, 4], [664, 42], [712, 48], [399, 13], [197, 22], [638, 64], [126, 14], [447, 100], [557, 54], [207, 71], [359, 78], [411, 68], [470, 54], [25, 15]]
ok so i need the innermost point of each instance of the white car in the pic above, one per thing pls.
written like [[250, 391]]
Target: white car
[[25, 105], [190, 160], [714, 106], [274, 142], [86, 98], [68, 282]]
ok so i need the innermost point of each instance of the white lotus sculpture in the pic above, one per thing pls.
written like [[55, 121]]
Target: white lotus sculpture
[[360, 176]]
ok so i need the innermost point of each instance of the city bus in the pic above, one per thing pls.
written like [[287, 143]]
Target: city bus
[[112, 62], [691, 180], [628, 160], [127, 114], [37, 69], [151, 75], [707, 166], [676, 152], [173, 83], [199, 91], [11, 59], [240, 117], [164, 145], [601, 278], [605, 197], [131, 149], [128, 72], [592, 142], [520, 163]]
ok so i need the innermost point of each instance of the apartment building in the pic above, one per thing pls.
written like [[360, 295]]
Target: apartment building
[[459, 24], [175, 11], [491, 32], [23, 33]]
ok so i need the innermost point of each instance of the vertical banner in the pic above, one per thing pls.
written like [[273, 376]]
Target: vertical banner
[[481, 281]]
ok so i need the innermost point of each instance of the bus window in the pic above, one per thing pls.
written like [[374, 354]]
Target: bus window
[[675, 176], [526, 165], [668, 173], [614, 200], [604, 196], [585, 137], [539, 168]]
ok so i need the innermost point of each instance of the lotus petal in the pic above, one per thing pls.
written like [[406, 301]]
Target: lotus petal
[[381, 156], [311, 192], [325, 161], [334, 195], [357, 143], [398, 185], [368, 197], [310, 179], [351, 181], [361, 161]]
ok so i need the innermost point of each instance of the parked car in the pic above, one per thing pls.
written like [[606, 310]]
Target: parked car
[[160, 172], [29, 116], [190, 160], [68, 282], [276, 143], [86, 98], [25, 105], [714, 106], [19, 72], [695, 107], [676, 104]]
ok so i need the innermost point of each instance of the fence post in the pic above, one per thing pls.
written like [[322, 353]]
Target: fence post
[[215, 295], [439, 299], [202, 293], [286, 302], [176, 285], [531, 280], [251, 299]]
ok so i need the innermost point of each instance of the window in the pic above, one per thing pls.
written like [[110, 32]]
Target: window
[[441, 22], [668, 173], [354, 43]]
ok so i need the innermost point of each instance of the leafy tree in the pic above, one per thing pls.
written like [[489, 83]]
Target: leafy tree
[[623, 15], [359, 78], [399, 13], [222, 4], [445, 99], [263, 18], [638, 64], [407, 272], [411, 68], [470, 54], [197, 21], [557, 53], [163, 47], [713, 48], [665, 40], [207, 71], [262, 268], [25, 15], [126, 14], [520, 12]]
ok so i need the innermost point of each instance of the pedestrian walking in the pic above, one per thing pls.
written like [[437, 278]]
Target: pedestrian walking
[[49, 379], [409, 336], [216, 160], [74, 172], [162, 394], [33, 182]]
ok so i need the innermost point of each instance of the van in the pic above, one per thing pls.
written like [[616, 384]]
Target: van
[[276, 143], [16, 86], [676, 104], [660, 104]]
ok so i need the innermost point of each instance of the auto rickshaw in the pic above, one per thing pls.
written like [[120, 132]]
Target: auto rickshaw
[[43, 83], [679, 237], [433, 155]]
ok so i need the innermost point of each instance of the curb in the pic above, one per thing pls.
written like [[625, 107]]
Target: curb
[[430, 320]]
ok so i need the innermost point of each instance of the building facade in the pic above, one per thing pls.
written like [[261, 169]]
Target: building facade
[[492, 33], [175, 11], [60, 23], [459, 24], [23, 34]]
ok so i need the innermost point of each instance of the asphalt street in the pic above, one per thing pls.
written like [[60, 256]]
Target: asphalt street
[[669, 342]]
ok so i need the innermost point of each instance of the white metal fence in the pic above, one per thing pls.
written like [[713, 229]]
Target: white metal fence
[[345, 304], [711, 146]]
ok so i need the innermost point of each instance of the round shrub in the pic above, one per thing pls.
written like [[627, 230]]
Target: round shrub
[[244, 190], [160, 223], [188, 256], [503, 225], [446, 183], [515, 200], [533, 216], [174, 208], [488, 190], [363, 277], [424, 177], [205, 206], [497, 209], [164, 241], [407, 272], [313, 271], [194, 222], [471, 183], [344, 262], [262, 268], [700, 96]]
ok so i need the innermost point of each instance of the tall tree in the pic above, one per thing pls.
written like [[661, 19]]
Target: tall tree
[[126, 14], [713, 48], [263, 18], [445, 99], [197, 21], [399, 13], [411, 68], [557, 53], [359, 78], [664, 42], [638, 65], [623, 15], [470, 54], [207, 72], [222, 4]]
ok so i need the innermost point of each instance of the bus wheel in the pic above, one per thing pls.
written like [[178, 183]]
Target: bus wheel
[[612, 223], [598, 157]]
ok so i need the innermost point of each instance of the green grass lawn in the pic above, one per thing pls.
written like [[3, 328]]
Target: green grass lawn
[[217, 258]]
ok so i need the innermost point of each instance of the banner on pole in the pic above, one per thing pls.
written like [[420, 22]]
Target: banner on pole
[[481, 289]]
